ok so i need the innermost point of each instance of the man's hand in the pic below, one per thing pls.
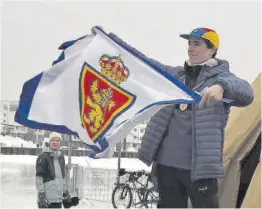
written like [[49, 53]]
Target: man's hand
[[93, 29], [67, 197], [212, 95]]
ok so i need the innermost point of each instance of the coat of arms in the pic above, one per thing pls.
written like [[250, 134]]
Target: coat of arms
[[102, 98]]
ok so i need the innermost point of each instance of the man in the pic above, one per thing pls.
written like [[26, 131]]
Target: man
[[185, 142], [50, 175]]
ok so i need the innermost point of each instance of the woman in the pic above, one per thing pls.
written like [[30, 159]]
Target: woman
[[50, 175]]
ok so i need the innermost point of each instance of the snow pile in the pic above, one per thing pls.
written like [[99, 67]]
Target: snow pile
[[131, 149], [85, 162], [10, 141]]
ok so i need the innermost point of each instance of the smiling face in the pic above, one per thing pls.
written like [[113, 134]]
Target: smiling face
[[198, 51], [55, 143]]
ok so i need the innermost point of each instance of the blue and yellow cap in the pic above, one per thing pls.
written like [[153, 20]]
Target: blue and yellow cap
[[204, 33]]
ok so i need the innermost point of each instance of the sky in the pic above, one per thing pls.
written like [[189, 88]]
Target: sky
[[32, 31]]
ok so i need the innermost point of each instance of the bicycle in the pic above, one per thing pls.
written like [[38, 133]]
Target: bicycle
[[147, 195]]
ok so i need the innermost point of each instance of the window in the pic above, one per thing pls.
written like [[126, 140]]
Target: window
[[13, 107], [135, 129]]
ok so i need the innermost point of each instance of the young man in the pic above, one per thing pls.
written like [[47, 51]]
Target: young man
[[50, 175], [185, 142]]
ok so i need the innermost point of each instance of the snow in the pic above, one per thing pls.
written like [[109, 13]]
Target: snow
[[131, 149], [128, 163], [85, 162], [99, 176], [10, 141]]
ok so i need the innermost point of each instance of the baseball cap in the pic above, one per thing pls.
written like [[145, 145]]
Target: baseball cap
[[205, 33]]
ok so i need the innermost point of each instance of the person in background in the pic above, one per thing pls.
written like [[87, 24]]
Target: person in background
[[50, 175]]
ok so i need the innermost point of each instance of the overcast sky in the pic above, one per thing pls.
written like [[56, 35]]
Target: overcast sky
[[32, 32]]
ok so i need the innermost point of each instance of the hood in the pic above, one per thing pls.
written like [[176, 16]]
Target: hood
[[209, 63], [209, 72], [46, 149]]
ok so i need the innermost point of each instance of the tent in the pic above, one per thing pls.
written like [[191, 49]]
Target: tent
[[242, 153]]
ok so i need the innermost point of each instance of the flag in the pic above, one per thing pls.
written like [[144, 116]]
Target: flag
[[98, 90]]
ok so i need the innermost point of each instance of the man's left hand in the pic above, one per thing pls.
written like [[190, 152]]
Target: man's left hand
[[212, 95], [67, 197]]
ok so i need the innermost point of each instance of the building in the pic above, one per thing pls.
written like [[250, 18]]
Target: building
[[10, 127], [133, 140], [8, 109]]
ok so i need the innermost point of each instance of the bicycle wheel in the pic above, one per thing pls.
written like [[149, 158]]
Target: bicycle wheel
[[151, 198], [120, 194]]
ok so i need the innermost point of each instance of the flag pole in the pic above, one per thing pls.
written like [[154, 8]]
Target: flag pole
[[119, 162], [69, 164], [69, 152]]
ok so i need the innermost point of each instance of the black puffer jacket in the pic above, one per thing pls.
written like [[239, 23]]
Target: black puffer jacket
[[45, 166], [50, 175]]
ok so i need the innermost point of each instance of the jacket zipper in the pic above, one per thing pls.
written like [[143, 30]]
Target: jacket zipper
[[198, 84], [193, 163]]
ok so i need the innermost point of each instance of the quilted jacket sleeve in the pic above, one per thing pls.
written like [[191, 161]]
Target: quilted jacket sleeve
[[239, 90]]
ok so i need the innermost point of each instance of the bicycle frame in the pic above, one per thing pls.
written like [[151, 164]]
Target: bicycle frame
[[135, 186], [141, 192]]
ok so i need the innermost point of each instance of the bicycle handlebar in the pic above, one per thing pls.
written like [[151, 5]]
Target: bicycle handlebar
[[139, 173]]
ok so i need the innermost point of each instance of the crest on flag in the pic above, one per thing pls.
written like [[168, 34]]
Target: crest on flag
[[97, 95], [101, 97]]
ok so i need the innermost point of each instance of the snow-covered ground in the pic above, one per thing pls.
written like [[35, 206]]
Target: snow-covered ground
[[96, 178]]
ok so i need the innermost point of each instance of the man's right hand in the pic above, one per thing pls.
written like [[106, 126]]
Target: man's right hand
[[42, 201]]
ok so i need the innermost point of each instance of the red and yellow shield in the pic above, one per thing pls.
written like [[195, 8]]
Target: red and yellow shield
[[102, 100]]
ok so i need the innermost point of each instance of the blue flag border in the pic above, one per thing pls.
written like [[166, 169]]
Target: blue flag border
[[31, 85]]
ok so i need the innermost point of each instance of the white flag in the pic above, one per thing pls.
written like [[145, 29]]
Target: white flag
[[98, 91]]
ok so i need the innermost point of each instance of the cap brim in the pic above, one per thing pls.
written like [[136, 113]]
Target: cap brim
[[185, 36], [188, 36]]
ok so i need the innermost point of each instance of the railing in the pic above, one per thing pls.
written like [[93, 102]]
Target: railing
[[92, 184], [95, 184]]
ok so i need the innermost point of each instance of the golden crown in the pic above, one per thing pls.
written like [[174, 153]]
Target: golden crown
[[113, 68]]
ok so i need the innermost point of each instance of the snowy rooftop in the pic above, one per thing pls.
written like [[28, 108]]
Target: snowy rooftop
[[10, 141]]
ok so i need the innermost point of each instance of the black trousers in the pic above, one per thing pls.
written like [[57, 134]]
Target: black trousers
[[175, 187]]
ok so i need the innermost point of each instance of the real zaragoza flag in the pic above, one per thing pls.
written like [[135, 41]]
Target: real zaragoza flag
[[99, 91]]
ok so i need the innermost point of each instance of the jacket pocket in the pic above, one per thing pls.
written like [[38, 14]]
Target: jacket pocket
[[204, 187]]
